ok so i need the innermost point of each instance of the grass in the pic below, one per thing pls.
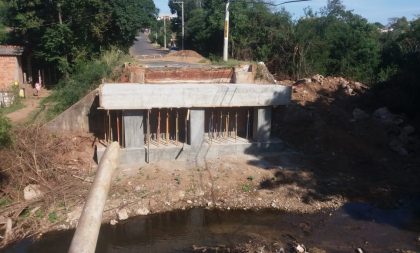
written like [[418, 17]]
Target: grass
[[5, 129], [231, 63], [247, 187], [5, 201], [217, 60], [17, 104], [52, 217], [14, 107]]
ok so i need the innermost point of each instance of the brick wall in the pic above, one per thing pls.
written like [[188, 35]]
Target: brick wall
[[9, 71]]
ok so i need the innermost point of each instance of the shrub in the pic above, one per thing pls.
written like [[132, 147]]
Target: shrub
[[5, 128], [85, 77]]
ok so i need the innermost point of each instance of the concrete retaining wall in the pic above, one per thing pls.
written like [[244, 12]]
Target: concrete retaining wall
[[80, 117]]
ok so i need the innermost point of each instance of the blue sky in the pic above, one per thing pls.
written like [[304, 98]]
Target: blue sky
[[373, 10]]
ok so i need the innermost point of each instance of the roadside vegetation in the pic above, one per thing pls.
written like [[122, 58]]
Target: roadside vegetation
[[86, 76]]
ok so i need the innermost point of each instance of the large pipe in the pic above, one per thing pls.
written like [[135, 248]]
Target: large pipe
[[87, 231]]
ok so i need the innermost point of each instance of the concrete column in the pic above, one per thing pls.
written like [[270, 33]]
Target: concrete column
[[262, 124], [133, 128], [196, 125]]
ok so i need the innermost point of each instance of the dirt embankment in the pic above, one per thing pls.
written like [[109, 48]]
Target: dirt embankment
[[354, 147]]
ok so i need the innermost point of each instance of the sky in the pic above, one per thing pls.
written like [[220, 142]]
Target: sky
[[373, 10]]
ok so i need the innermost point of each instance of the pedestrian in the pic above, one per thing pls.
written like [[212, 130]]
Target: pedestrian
[[37, 88]]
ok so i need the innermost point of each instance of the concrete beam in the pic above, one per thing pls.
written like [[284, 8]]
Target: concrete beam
[[133, 128], [147, 96], [262, 124]]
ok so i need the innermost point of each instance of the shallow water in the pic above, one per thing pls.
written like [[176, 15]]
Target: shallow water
[[354, 225]]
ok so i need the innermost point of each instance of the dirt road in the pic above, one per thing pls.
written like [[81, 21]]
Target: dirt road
[[31, 104]]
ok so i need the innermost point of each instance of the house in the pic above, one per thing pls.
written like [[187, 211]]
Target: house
[[10, 66]]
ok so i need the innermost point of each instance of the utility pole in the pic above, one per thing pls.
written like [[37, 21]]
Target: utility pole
[[183, 26], [164, 32], [226, 36]]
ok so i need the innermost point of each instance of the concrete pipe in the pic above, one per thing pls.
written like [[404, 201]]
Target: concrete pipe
[[87, 231]]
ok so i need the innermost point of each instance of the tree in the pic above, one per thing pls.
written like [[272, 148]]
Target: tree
[[3, 11]]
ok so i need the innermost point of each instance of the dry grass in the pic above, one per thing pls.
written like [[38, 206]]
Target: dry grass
[[53, 163]]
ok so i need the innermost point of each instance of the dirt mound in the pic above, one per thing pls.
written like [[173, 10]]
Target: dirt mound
[[325, 89], [185, 53]]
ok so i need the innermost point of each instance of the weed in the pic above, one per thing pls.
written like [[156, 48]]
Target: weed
[[250, 178], [52, 217], [246, 187], [39, 214], [5, 201], [178, 180]]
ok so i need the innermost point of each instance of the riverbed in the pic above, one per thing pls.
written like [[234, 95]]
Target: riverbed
[[355, 225]]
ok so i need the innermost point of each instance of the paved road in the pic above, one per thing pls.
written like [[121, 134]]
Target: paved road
[[142, 47], [152, 57]]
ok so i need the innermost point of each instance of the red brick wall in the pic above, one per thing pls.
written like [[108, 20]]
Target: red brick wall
[[9, 71]]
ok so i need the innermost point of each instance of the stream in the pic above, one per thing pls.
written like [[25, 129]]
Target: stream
[[343, 230]]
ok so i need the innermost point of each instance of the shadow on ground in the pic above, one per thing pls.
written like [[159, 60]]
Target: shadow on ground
[[336, 155]]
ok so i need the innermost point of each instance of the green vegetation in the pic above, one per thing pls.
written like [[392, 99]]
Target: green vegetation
[[60, 34], [247, 187], [85, 77], [5, 128], [5, 201], [17, 103], [52, 217]]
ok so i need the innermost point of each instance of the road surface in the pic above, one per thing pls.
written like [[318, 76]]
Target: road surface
[[142, 47], [152, 57]]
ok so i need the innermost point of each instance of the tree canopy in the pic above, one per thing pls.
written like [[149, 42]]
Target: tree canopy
[[60, 32]]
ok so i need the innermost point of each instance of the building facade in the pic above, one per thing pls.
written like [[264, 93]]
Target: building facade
[[10, 66]]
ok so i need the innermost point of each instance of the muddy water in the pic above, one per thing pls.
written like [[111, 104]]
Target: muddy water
[[354, 225]]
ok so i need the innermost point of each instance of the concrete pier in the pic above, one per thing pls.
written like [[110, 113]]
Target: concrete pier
[[133, 128], [262, 124], [196, 123]]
